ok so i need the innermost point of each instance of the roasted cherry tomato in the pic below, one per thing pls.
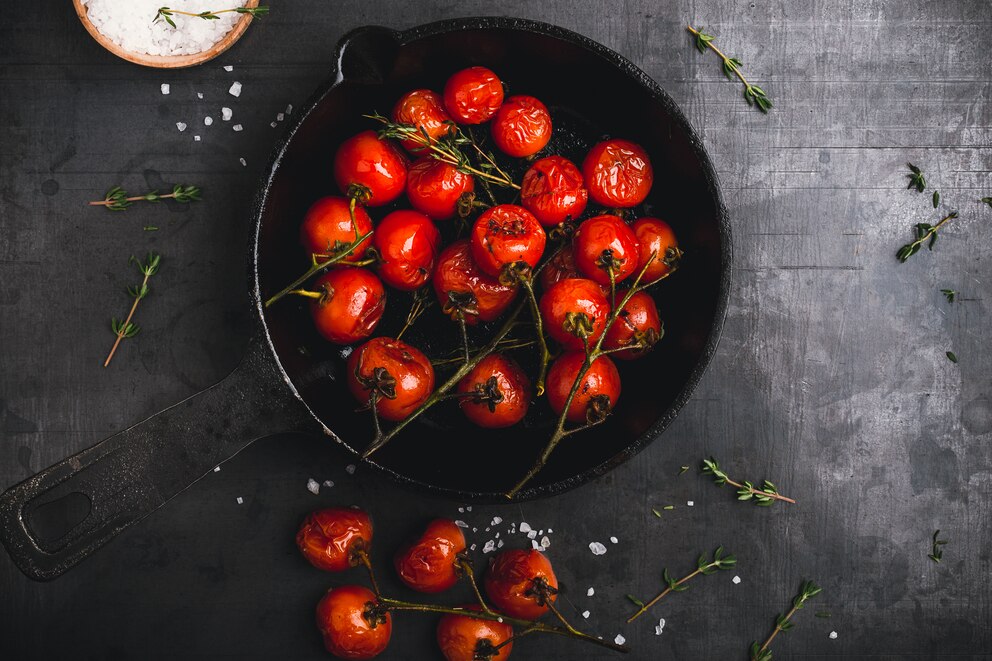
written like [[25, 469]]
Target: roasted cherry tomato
[[656, 237], [561, 266], [506, 234], [463, 638], [462, 287], [328, 538], [425, 110], [353, 622], [473, 95], [516, 580], [380, 167], [429, 563], [434, 187], [500, 393], [553, 190], [570, 307], [400, 376], [618, 173], [408, 244], [522, 126], [606, 242], [350, 306], [596, 395], [637, 326], [327, 228]]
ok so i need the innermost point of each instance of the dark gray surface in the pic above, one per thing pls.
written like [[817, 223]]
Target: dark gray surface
[[831, 378]]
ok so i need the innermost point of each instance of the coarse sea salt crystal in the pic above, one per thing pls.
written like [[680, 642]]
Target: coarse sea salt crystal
[[280, 117], [243, 161], [545, 542], [181, 126], [328, 483], [460, 523], [590, 592], [499, 544], [614, 540], [240, 500], [472, 548], [736, 580], [165, 88], [350, 469], [273, 124], [489, 547], [208, 120], [597, 548], [690, 503], [313, 486], [226, 114], [585, 614], [524, 526], [461, 510], [228, 67], [196, 138], [289, 109], [468, 508], [661, 627], [199, 95], [237, 127], [216, 469], [235, 89], [534, 545], [833, 635], [532, 534], [619, 640]]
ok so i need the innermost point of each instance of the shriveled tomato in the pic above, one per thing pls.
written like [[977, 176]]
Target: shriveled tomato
[[497, 392], [328, 538], [429, 563], [377, 164], [597, 394], [618, 173], [327, 228], [522, 126], [464, 638], [521, 583], [572, 307], [473, 95], [351, 304], [656, 238], [553, 190], [506, 234], [637, 326], [561, 266], [425, 110], [353, 623], [462, 287], [603, 243], [434, 187], [408, 244], [398, 374]]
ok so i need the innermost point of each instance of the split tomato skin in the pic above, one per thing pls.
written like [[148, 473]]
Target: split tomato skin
[[377, 164], [458, 276], [429, 563], [601, 380], [473, 95], [458, 636], [510, 582], [506, 234], [407, 366], [554, 191], [574, 295], [434, 188], [638, 319], [329, 537], [657, 238], [512, 388], [521, 127], [408, 244], [351, 306], [353, 623], [424, 109], [606, 238], [327, 227], [618, 173]]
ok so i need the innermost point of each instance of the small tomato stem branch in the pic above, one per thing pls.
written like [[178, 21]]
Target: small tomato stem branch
[[319, 266], [545, 355], [469, 572], [363, 558], [307, 293]]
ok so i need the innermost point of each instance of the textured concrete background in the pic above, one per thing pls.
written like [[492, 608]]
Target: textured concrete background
[[831, 378]]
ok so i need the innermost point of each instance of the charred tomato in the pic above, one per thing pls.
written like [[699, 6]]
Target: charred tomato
[[637, 326], [521, 583], [365, 160], [430, 562], [327, 228], [506, 234], [656, 238], [329, 538], [618, 173], [473, 95], [463, 288], [464, 638], [350, 306], [407, 243], [425, 110], [497, 393], [596, 395], [553, 190], [603, 243], [353, 623], [434, 188], [400, 376], [522, 126], [573, 307]]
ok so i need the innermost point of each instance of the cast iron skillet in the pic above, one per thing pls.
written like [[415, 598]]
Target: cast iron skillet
[[53, 520]]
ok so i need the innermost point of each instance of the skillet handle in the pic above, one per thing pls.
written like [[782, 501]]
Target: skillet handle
[[84, 501]]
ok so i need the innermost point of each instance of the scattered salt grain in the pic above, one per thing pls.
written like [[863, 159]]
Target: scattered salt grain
[[736, 580], [346, 352], [468, 508], [488, 529], [196, 138], [237, 127], [208, 120], [545, 542], [690, 503], [280, 117], [165, 88], [181, 126], [226, 114], [550, 531], [272, 124], [313, 486], [474, 529], [614, 540], [240, 500], [534, 545], [350, 469], [328, 483], [228, 67], [489, 547], [597, 548], [499, 544], [540, 532], [496, 521], [590, 592], [524, 526], [532, 534], [216, 469], [235, 89], [497, 534], [472, 548], [585, 614], [289, 109], [461, 510], [199, 95], [243, 162], [661, 627], [619, 640], [833, 635], [460, 523]]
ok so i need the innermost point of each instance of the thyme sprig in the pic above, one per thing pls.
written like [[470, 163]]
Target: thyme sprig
[[949, 294], [126, 328], [986, 200], [754, 95], [167, 13], [916, 179], [925, 233], [937, 553], [807, 591], [117, 198], [703, 566], [763, 497]]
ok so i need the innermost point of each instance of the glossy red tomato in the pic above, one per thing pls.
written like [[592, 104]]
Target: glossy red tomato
[[351, 304], [400, 374], [656, 237], [377, 164], [618, 173], [637, 325], [328, 538], [408, 244], [553, 190], [501, 393], [561, 266], [463, 638], [473, 95], [425, 110], [522, 126], [570, 297], [606, 241], [600, 387], [461, 285], [506, 234], [429, 563], [513, 583], [434, 187], [327, 228], [353, 623]]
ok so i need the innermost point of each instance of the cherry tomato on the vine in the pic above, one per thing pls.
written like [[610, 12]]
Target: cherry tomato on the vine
[[596, 395], [408, 244], [606, 242], [473, 95], [351, 304], [462, 638], [553, 190], [637, 326], [618, 173], [400, 376], [425, 110], [506, 234], [522, 126], [329, 537], [656, 238], [366, 160], [327, 228], [434, 187], [353, 623], [462, 286], [515, 581], [573, 305], [500, 392], [429, 563]]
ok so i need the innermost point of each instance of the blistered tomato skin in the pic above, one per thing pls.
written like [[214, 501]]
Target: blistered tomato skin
[[376, 164], [602, 380], [511, 581], [458, 637], [656, 238], [434, 187], [553, 190], [458, 279], [429, 563], [473, 95], [522, 126], [351, 305], [354, 625], [606, 240], [408, 244], [327, 227], [425, 110], [573, 296], [410, 371], [618, 173], [501, 393], [327, 538], [506, 234], [637, 324]]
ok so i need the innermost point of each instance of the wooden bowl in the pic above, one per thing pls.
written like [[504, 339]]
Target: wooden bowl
[[166, 61]]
